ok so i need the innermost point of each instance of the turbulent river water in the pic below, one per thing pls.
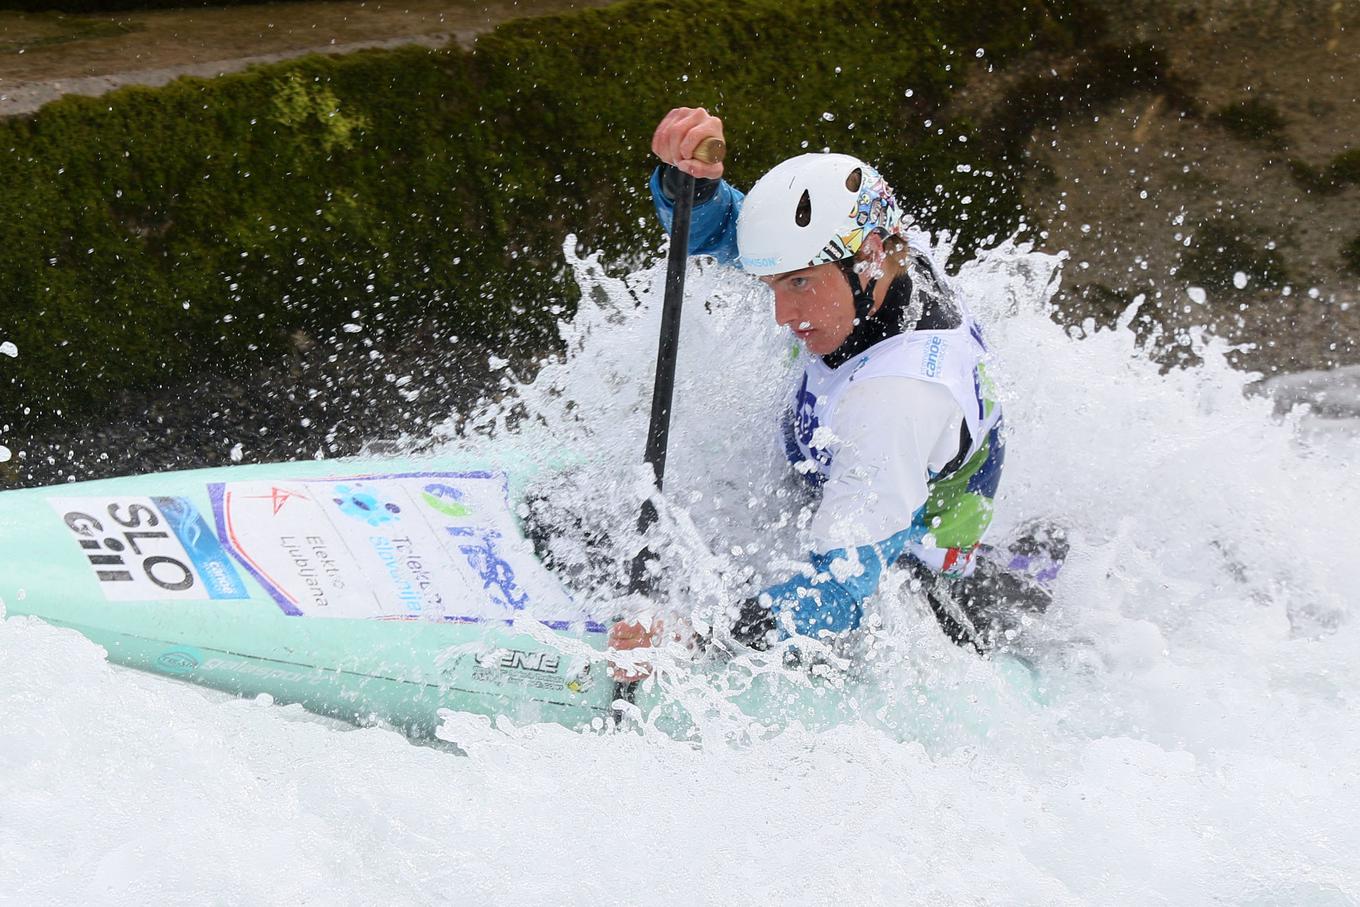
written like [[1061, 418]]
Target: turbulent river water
[[1194, 741]]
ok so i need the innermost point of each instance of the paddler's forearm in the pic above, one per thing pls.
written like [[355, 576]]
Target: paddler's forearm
[[827, 595], [713, 224]]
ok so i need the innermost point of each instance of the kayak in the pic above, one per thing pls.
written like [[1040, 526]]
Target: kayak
[[376, 592], [358, 590]]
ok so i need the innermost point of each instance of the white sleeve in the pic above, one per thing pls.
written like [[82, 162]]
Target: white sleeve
[[887, 435]]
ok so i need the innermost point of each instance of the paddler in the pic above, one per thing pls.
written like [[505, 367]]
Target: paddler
[[894, 424]]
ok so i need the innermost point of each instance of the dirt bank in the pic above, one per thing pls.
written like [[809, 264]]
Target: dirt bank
[[1165, 193], [1226, 197], [43, 56]]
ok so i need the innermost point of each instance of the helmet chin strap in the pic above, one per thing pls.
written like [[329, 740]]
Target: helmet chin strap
[[862, 296]]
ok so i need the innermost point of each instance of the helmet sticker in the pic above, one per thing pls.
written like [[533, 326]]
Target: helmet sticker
[[875, 210]]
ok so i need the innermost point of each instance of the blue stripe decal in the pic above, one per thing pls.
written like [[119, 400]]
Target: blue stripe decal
[[986, 480], [203, 548]]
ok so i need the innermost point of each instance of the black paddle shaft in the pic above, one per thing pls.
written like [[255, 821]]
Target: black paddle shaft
[[663, 390], [710, 150]]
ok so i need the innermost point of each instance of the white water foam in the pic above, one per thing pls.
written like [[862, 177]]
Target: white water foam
[[1197, 744]]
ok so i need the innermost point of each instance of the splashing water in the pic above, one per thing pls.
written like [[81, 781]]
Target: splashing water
[[1196, 741]]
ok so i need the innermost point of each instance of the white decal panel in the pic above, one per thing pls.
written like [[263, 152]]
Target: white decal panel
[[440, 546]]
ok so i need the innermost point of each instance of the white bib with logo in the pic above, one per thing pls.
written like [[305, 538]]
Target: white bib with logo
[[949, 357]]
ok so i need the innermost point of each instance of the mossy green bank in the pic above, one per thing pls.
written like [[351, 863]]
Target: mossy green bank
[[148, 232]]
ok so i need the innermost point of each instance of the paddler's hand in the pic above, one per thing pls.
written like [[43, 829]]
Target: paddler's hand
[[628, 635], [680, 132]]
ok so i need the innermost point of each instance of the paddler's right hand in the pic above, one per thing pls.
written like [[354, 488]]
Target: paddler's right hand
[[628, 635], [680, 132]]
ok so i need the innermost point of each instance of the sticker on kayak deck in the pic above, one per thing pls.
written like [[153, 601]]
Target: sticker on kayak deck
[[150, 548], [538, 670], [439, 546]]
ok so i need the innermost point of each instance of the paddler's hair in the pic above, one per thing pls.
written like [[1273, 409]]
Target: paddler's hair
[[896, 255]]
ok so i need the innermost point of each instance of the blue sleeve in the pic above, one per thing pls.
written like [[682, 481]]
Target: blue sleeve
[[816, 600], [712, 225]]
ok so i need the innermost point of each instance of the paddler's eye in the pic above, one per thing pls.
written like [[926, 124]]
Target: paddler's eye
[[799, 283]]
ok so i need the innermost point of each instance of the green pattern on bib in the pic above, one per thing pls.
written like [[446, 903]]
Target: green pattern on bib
[[957, 517]]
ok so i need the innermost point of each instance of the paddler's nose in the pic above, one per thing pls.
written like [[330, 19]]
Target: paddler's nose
[[786, 310]]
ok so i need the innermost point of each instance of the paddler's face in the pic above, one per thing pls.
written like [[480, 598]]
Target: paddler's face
[[815, 303]]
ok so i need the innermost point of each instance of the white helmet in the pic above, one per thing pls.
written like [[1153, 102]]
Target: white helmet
[[813, 209]]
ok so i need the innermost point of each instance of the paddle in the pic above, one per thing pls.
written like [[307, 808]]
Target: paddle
[[711, 151]]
